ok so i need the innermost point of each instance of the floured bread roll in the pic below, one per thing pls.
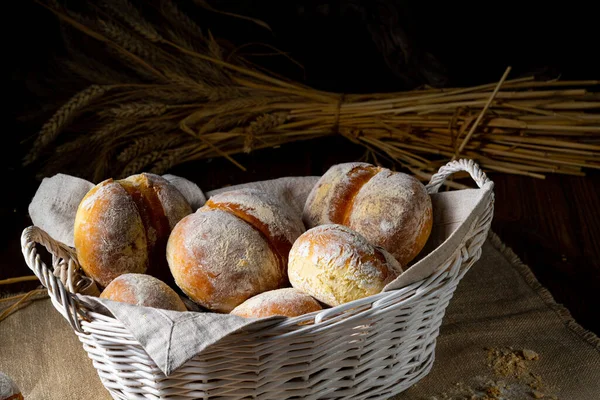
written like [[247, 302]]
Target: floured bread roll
[[390, 209], [335, 265], [123, 226], [143, 290], [287, 302], [234, 247]]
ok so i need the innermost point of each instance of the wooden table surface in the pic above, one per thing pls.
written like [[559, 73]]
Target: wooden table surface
[[552, 224]]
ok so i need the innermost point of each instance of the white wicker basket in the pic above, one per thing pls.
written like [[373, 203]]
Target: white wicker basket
[[372, 348]]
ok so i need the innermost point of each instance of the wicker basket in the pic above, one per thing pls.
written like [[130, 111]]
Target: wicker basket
[[372, 348]]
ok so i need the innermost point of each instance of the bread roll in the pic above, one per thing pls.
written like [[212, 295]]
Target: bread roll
[[279, 224], [233, 248], [143, 290], [287, 302], [122, 226], [390, 209], [335, 265]]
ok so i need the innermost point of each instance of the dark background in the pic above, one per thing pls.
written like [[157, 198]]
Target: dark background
[[358, 46]]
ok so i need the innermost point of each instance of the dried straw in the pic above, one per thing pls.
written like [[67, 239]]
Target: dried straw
[[17, 301], [192, 100]]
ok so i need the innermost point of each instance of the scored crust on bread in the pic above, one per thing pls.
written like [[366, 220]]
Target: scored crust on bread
[[164, 202], [271, 217], [331, 199], [109, 234], [233, 248], [149, 208], [391, 209], [394, 211], [122, 226], [219, 261]]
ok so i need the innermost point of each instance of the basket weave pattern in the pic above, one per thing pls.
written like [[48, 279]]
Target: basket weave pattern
[[371, 348]]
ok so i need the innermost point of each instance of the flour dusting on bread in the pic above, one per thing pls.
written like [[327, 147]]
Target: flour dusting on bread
[[335, 265], [333, 194], [279, 219], [393, 210], [220, 261], [287, 302], [143, 290], [109, 234]]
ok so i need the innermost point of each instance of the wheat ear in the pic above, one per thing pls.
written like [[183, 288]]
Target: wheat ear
[[62, 117]]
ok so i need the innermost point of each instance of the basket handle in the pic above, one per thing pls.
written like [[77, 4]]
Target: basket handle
[[66, 272], [445, 171]]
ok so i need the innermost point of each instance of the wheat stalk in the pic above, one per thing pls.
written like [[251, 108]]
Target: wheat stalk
[[144, 144], [128, 13], [261, 125], [138, 110], [65, 114], [86, 68], [169, 159], [181, 21], [199, 102], [140, 163], [128, 41]]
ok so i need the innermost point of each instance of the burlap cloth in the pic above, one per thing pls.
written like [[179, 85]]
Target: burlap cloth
[[498, 304]]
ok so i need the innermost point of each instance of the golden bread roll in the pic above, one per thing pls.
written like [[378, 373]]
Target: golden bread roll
[[335, 265], [390, 209], [233, 248], [143, 290], [267, 214], [122, 226], [287, 302]]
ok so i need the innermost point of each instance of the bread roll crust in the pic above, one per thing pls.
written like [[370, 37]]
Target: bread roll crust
[[174, 204], [110, 238], [391, 209], [149, 208], [330, 201], [335, 265], [286, 302], [143, 290], [160, 206], [274, 219], [220, 261], [122, 226]]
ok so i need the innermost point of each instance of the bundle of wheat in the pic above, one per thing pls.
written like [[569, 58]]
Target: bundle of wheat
[[168, 93]]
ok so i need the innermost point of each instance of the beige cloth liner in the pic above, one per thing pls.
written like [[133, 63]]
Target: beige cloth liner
[[55, 203]]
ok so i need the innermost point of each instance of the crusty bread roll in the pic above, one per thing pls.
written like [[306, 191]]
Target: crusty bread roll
[[233, 248], [267, 214], [287, 302], [143, 290], [335, 265], [390, 209], [122, 226]]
